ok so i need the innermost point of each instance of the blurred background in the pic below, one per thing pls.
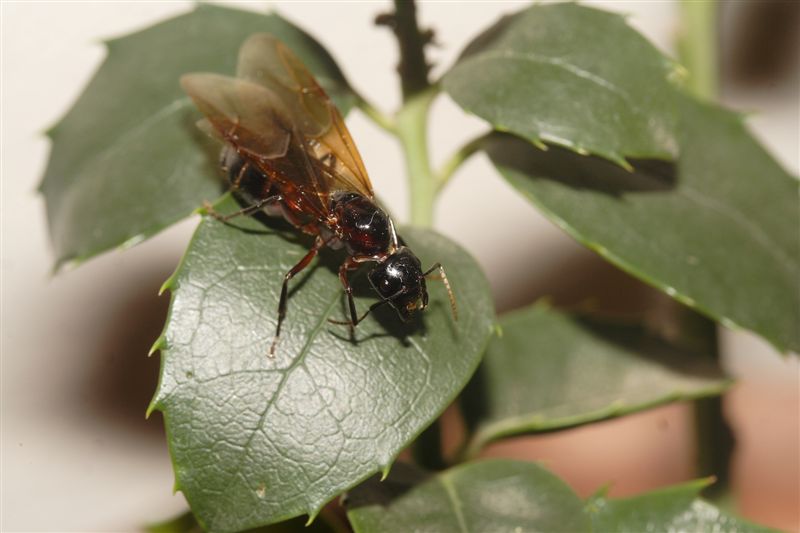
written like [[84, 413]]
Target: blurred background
[[77, 452]]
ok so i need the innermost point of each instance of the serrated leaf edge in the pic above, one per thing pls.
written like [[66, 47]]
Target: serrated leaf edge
[[675, 73], [384, 467], [634, 271]]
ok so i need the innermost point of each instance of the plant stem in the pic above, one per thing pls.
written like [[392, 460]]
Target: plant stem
[[411, 128], [411, 122], [698, 53], [380, 118], [413, 67], [697, 46], [456, 160]]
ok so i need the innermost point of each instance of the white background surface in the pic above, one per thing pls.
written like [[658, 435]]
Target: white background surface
[[77, 454]]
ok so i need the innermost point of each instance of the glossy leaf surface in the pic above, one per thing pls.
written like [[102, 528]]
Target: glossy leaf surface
[[717, 230], [549, 370], [675, 508], [496, 495], [573, 76], [127, 160], [505, 495], [256, 440], [187, 523]]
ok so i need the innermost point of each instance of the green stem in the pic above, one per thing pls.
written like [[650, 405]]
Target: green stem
[[378, 117], [411, 128], [411, 122], [457, 159], [698, 53], [698, 46]]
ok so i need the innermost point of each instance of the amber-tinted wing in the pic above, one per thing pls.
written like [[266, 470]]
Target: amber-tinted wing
[[266, 61], [255, 121], [244, 114]]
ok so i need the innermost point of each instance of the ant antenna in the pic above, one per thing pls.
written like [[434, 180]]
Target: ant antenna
[[443, 277]]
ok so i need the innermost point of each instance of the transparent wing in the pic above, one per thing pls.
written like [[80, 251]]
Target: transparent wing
[[266, 61], [244, 114], [255, 121]]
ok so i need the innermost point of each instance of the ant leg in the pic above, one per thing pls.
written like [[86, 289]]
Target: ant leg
[[252, 208], [355, 320], [353, 323], [349, 264], [318, 243], [239, 176], [231, 134]]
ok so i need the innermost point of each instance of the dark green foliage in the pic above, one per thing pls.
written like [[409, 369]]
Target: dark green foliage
[[127, 160], [549, 370], [256, 439], [676, 192]]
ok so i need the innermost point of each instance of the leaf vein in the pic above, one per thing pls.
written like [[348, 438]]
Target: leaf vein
[[557, 62], [286, 373], [757, 234], [454, 501]]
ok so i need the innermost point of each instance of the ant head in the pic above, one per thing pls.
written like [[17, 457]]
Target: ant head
[[399, 280]]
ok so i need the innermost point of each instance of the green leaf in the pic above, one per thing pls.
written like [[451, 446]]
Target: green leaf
[[572, 76], [256, 440], [495, 495], [187, 523], [550, 370], [126, 160], [505, 495], [672, 509], [717, 231]]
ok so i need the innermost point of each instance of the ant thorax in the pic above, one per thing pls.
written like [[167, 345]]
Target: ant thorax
[[365, 230]]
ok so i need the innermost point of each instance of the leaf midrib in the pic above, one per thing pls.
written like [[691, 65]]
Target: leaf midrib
[[758, 236], [625, 264], [570, 68], [455, 502], [299, 360]]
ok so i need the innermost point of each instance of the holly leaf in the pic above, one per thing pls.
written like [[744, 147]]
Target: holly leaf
[[187, 523], [505, 495], [551, 370], [255, 439], [127, 160], [717, 230], [494, 495], [572, 76], [676, 508], [582, 79]]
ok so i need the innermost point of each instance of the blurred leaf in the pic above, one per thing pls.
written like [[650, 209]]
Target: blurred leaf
[[505, 495], [187, 523], [717, 231], [256, 440], [550, 370], [573, 76], [495, 495], [126, 160], [671, 509]]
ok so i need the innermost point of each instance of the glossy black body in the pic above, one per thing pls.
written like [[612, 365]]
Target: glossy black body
[[366, 230], [363, 229], [288, 153], [399, 279]]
